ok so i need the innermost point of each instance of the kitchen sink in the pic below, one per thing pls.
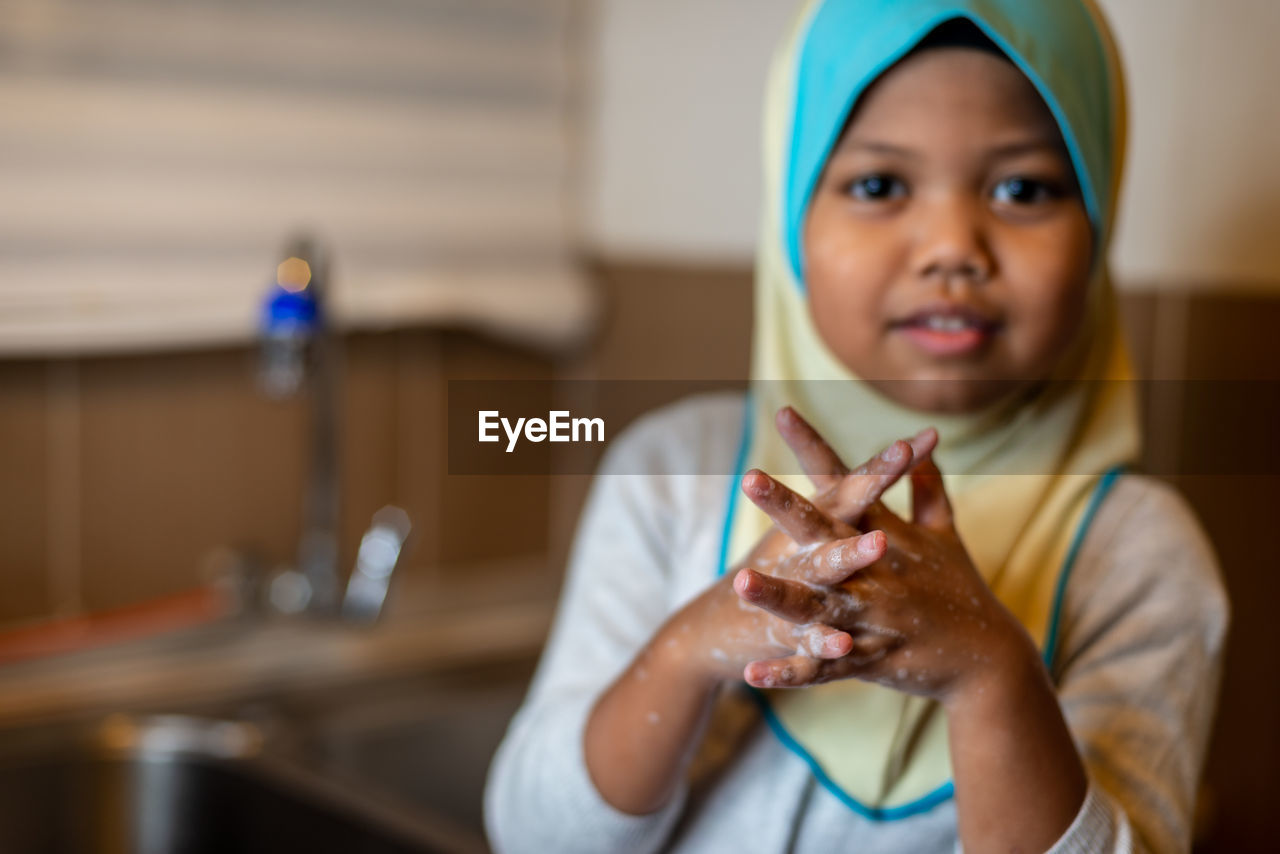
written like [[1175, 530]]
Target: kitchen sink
[[427, 748], [177, 785]]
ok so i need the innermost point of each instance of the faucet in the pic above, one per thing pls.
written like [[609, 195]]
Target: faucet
[[299, 350]]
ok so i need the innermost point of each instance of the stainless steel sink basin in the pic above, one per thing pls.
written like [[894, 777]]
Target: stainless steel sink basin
[[188, 786], [425, 749]]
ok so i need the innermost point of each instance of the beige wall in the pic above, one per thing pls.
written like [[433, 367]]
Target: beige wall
[[673, 136]]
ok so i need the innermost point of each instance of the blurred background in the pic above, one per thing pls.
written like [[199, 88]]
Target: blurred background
[[198, 441]]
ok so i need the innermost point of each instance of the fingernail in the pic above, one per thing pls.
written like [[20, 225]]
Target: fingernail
[[869, 544]]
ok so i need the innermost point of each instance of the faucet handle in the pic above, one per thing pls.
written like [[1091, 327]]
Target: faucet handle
[[380, 550]]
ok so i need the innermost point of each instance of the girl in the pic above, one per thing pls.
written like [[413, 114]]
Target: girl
[[1019, 656]]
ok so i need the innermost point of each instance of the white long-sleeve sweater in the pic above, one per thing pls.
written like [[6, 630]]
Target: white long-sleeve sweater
[[1144, 619]]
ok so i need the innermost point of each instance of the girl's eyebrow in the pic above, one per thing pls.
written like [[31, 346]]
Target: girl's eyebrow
[[1028, 146], [1011, 149], [877, 147]]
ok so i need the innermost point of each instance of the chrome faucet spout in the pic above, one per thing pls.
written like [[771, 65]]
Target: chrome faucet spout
[[300, 351]]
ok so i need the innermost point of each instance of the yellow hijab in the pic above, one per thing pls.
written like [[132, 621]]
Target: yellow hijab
[[1025, 475]]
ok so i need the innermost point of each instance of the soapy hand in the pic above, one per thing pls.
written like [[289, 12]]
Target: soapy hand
[[803, 563], [917, 617]]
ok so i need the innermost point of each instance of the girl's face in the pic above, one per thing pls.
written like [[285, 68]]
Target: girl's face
[[946, 245]]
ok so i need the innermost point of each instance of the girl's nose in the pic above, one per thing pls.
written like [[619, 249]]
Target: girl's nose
[[951, 243]]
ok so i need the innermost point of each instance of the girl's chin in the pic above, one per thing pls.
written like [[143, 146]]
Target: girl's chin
[[947, 395]]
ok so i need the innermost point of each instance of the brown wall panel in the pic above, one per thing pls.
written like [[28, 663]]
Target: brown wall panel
[[419, 432], [489, 517], [369, 445], [1232, 337], [1230, 344], [24, 453], [180, 456], [664, 323]]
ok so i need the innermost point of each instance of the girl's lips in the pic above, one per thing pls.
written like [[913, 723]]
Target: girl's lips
[[949, 329], [937, 342]]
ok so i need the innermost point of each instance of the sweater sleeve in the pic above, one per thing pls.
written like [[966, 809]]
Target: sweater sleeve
[[539, 796], [1144, 624]]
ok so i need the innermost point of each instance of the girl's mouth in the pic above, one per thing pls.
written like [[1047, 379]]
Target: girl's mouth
[[948, 330]]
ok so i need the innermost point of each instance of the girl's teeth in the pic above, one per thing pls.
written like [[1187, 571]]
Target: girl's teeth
[[946, 324]]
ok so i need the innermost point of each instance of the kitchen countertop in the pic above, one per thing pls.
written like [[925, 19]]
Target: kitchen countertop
[[427, 627]]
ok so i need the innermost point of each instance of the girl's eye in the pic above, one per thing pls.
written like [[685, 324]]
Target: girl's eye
[[877, 188], [1024, 191]]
